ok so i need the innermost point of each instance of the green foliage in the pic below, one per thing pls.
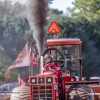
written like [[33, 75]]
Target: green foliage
[[14, 32], [90, 9], [9, 10], [5, 62], [55, 12], [50, 1]]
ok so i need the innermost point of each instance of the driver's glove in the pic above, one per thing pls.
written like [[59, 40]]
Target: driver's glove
[[47, 68]]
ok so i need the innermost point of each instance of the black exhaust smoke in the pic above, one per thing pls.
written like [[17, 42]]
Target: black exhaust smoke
[[37, 11]]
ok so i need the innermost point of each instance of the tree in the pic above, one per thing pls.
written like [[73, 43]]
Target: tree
[[9, 11], [89, 9], [5, 62], [14, 32], [50, 1], [55, 11]]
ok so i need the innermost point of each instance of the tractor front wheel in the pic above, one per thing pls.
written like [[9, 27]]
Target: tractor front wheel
[[21, 93]]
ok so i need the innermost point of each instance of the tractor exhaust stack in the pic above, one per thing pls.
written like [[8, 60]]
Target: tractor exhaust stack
[[41, 64]]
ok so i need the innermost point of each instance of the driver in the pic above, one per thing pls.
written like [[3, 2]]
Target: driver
[[51, 65], [68, 56]]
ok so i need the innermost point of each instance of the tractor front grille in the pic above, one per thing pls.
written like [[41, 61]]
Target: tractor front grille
[[42, 92]]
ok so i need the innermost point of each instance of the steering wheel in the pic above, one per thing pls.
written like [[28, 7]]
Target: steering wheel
[[59, 61], [48, 69]]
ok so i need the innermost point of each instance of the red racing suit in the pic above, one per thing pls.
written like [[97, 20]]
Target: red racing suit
[[53, 67]]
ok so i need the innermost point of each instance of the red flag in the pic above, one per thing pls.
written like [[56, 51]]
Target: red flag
[[35, 60], [33, 56], [20, 81]]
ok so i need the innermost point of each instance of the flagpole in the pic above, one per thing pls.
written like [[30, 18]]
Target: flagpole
[[29, 71], [19, 79], [31, 59], [29, 64]]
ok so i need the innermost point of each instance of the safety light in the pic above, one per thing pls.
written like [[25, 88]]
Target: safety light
[[49, 80], [33, 80]]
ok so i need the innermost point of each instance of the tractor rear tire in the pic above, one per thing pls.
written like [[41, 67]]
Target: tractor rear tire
[[80, 92]]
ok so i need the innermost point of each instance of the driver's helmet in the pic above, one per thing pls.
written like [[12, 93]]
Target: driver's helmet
[[48, 58]]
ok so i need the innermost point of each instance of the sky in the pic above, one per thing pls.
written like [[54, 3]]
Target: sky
[[62, 4], [57, 4]]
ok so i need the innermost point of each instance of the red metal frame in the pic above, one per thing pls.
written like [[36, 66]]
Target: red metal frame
[[31, 92], [53, 91], [67, 41], [63, 41], [64, 80]]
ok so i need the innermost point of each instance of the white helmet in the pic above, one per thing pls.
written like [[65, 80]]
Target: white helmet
[[47, 56]]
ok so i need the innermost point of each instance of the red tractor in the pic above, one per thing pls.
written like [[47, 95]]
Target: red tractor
[[64, 80]]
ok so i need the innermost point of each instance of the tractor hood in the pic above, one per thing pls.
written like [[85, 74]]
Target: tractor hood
[[45, 74]]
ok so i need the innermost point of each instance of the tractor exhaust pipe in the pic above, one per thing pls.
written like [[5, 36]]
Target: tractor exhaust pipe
[[41, 64]]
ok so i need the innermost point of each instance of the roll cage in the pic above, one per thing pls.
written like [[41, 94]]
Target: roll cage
[[61, 62]]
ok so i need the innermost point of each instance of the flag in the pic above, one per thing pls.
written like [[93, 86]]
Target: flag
[[35, 60], [20, 81], [21, 61], [27, 57], [33, 57]]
